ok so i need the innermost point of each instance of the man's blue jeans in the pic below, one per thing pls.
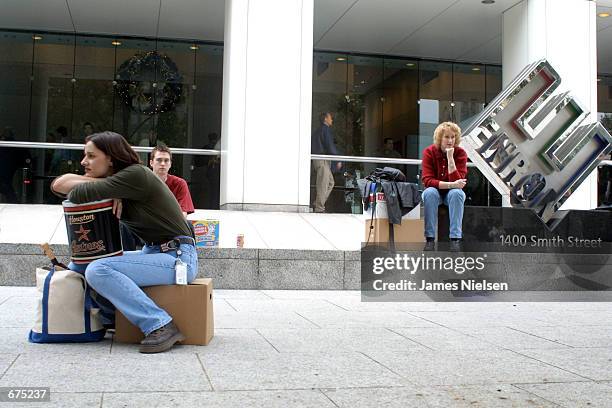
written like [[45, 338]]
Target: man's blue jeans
[[120, 278], [453, 199]]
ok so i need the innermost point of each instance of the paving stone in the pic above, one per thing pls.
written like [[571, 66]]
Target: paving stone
[[246, 399], [65, 400], [230, 341], [365, 319], [312, 294], [511, 339], [577, 336], [5, 361], [336, 340], [575, 318], [573, 394], [592, 363], [470, 367], [119, 373], [482, 319], [293, 370], [483, 396], [285, 305], [442, 338], [15, 341], [239, 294], [18, 312], [255, 320]]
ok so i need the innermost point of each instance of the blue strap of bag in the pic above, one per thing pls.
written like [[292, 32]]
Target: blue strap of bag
[[45, 301]]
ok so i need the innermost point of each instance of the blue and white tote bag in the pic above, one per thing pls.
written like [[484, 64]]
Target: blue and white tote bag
[[65, 311]]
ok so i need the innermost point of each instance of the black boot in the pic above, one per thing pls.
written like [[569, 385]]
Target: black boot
[[161, 339], [455, 245], [430, 245]]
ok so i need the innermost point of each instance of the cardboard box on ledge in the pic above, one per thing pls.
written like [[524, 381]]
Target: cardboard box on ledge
[[190, 306], [410, 230]]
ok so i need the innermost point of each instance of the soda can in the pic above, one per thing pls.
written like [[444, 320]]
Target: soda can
[[240, 241]]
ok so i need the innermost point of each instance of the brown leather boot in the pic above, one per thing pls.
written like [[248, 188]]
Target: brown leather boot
[[161, 339]]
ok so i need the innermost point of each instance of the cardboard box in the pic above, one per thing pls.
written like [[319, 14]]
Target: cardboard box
[[190, 306], [206, 233], [409, 231]]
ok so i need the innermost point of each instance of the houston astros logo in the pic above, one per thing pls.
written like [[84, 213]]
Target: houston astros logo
[[82, 233], [532, 145]]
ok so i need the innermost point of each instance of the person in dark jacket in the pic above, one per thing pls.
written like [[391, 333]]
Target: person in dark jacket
[[323, 143], [444, 176]]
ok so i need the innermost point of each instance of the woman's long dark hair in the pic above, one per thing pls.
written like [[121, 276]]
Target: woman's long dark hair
[[114, 145]]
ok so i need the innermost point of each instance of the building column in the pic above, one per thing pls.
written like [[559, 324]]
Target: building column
[[267, 99], [563, 32]]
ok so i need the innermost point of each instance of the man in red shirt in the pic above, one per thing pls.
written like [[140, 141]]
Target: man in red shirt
[[161, 162], [444, 176]]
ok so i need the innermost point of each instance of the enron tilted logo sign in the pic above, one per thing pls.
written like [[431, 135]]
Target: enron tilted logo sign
[[533, 145]]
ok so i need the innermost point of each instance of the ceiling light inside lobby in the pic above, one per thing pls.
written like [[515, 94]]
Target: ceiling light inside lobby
[[604, 14], [37, 37], [194, 47], [340, 59], [410, 64], [475, 69], [116, 43]]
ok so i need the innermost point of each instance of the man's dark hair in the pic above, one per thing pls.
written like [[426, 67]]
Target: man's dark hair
[[114, 145], [88, 124], [387, 139], [323, 115], [160, 148]]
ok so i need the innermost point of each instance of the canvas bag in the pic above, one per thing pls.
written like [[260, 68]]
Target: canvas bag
[[65, 312]]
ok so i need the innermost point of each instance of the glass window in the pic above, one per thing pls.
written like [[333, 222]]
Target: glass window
[[93, 89], [62, 87], [365, 108], [400, 125], [207, 97], [493, 82], [329, 94], [604, 109], [15, 71], [202, 174], [52, 89], [468, 92], [27, 173], [435, 98]]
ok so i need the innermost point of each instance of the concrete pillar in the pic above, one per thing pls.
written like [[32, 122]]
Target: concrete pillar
[[267, 99], [563, 32]]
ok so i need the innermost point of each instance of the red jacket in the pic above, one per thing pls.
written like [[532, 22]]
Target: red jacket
[[435, 166]]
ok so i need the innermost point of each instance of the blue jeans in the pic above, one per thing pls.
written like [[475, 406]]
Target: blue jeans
[[453, 199], [120, 278]]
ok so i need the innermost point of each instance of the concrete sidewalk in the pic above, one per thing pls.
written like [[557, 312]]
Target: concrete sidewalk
[[328, 349]]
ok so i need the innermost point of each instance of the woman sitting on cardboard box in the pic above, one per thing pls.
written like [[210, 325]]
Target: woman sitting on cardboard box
[[148, 208]]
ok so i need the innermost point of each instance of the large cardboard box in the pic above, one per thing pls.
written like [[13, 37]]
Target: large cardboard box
[[410, 230], [190, 306]]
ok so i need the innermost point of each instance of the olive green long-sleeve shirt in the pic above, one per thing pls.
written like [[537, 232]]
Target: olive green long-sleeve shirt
[[149, 208]]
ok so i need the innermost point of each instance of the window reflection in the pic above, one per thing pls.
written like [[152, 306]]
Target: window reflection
[[61, 87], [604, 108], [389, 107]]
